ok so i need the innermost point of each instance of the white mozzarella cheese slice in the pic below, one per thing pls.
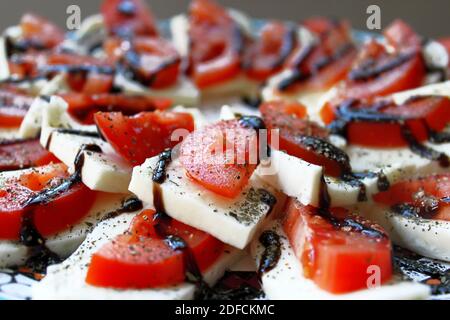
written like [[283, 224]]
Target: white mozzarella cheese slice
[[229, 112], [91, 32], [293, 176], [4, 67], [183, 92], [67, 280], [370, 159], [303, 180], [286, 281], [438, 89], [233, 221], [12, 253], [426, 237], [179, 26], [238, 86], [104, 171]]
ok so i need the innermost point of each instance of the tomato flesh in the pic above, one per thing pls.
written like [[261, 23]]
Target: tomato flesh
[[407, 192], [141, 259], [144, 135], [336, 259], [82, 107], [50, 218], [13, 108], [221, 157], [128, 18], [24, 154], [328, 61], [153, 61], [41, 33], [267, 55], [215, 50], [288, 118], [420, 115]]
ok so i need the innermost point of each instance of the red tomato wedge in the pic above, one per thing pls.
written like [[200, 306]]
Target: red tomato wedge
[[215, 44], [221, 157], [39, 32], [13, 107], [141, 259], [401, 36], [325, 63], [86, 81], [128, 18], [429, 194], [23, 154], [82, 107], [337, 257], [420, 114], [266, 55], [288, 119], [57, 215], [144, 135], [152, 61]]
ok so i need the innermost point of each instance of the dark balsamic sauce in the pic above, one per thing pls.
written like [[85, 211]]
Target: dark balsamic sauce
[[272, 251], [424, 151], [347, 113], [40, 255], [128, 205], [159, 174], [299, 76], [368, 71], [236, 285]]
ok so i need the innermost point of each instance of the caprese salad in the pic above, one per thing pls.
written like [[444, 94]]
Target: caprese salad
[[322, 173]]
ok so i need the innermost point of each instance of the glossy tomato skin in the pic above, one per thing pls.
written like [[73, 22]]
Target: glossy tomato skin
[[267, 55], [128, 18], [24, 154], [82, 106], [144, 135], [409, 192], [215, 44], [13, 107], [153, 61], [420, 115], [288, 118], [50, 218], [327, 62], [221, 157], [337, 260], [141, 259]]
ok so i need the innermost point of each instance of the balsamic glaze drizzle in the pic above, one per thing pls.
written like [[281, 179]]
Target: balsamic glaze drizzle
[[272, 251], [159, 174], [368, 70], [299, 76], [40, 255]]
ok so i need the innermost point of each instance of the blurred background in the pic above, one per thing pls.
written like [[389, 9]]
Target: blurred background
[[430, 18]]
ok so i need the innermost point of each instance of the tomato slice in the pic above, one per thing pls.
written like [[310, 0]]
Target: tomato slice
[[141, 259], [428, 194], [421, 115], [13, 107], [401, 36], [128, 18], [216, 43], [50, 218], [144, 135], [221, 157], [82, 107], [266, 56], [152, 61], [40, 33], [326, 62], [288, 119], [337, 256], [23, 154]]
